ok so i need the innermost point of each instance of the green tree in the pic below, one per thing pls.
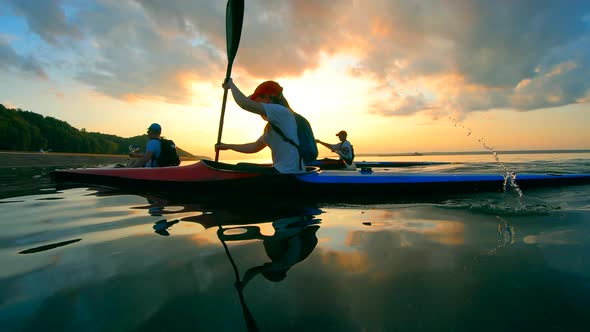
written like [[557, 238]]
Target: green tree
[[28, 131]]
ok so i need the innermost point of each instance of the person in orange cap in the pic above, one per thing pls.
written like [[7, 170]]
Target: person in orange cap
[[343, 149], [268, 102]]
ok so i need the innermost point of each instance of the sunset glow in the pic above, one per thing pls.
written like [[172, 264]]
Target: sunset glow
[[396, 75]]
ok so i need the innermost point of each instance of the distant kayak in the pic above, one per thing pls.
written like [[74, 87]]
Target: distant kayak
[[339, 164], [210, 178]]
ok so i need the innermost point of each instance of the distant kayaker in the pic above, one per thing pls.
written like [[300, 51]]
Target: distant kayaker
[[152, 149], [343, 149], [268, 102], [159, 151]]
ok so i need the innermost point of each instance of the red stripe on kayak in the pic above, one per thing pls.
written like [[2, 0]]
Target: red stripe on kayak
[[197, 172]]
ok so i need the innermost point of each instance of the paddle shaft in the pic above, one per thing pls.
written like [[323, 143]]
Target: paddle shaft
[[223, 103], [250, 322]]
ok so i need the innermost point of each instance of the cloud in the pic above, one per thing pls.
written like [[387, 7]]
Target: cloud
[[474, 54], [400, 105], [149, 48], [489, 43], [464, 54], [560, 80], [46, 18], [279, 38], [132, 55], [467, 53], [9, 59]]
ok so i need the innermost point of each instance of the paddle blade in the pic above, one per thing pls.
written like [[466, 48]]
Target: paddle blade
[[234, 17]]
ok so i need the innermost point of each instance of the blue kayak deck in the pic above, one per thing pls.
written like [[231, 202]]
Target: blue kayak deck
[[372, 177]]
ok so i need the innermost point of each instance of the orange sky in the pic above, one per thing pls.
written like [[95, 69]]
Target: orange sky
[[396, 75]]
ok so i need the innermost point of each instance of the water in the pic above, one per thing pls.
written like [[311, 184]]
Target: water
[[91, 258]]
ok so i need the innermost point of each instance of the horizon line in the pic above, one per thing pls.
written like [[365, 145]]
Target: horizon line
[[472, 152]]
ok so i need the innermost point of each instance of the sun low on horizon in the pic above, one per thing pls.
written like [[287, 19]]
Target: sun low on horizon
[[398, 76]]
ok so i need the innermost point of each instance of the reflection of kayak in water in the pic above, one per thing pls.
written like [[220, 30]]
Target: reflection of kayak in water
[[226, 217], [209, 178], [339, 164], [215, 213]]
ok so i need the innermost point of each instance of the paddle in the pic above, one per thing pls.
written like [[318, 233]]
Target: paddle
[[234, 16], [250, 322]]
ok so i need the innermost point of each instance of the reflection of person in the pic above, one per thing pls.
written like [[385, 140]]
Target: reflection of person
[[161, 226], [293, 241], [152, 149], [342, 149], [268, 102]]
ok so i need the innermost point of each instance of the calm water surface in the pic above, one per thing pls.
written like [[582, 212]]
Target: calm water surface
[[96, 259]]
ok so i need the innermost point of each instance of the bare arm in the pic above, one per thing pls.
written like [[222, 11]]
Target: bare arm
[[243, 101], [338, 151], [141, 161], [248, 275], [329, 146], [243, 148]]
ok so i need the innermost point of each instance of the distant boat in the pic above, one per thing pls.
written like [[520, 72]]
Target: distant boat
[[417, 154]]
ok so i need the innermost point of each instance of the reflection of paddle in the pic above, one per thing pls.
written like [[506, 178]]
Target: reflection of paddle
[[48, 246], [250, 322], [234, 16]]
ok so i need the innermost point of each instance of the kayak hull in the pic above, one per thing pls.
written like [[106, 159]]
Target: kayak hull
[[404, 184], [208, 177], [203, 176]]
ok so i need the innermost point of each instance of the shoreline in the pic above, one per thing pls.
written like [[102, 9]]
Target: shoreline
[[15, 159]]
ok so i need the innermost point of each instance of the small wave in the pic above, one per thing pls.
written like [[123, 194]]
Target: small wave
[[504, 205]]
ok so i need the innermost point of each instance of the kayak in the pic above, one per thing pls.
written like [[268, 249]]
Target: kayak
[[339, 164], [209, 177], [370, 183], [205, 175]]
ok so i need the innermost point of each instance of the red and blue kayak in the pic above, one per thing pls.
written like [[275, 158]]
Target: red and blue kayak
[[240, 180]]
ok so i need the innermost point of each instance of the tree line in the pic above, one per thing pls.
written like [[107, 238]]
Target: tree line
[[28, 131]]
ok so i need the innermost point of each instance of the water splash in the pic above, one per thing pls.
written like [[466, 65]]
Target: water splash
[[506, 232], [506, 237], [509, 176]]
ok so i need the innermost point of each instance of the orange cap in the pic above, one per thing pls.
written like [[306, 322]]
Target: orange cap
[[269, 88]]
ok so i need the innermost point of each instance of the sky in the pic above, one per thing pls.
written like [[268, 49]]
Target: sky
[[398, 75]]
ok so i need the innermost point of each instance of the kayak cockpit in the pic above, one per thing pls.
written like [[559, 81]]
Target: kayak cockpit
[[250, 167]]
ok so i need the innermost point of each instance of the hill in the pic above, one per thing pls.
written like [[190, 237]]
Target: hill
[[28, 131]]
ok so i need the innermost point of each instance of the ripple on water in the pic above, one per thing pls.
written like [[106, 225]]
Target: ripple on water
[[505, 205]]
